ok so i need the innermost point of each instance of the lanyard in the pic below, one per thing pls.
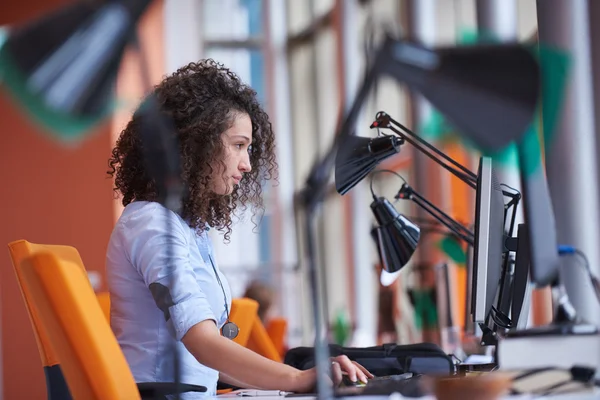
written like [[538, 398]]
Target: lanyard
[[230, 330]]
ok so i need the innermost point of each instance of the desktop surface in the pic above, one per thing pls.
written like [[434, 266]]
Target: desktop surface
[[408, 385]]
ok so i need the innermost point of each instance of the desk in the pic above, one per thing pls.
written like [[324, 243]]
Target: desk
[[573, 396]]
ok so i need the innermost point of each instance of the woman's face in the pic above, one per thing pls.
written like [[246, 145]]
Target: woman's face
[[236, 140]]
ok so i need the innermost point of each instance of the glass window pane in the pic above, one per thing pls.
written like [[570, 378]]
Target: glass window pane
[[527, 20], [248, 64], [328, 95], [232, 19], [322, 7], [304, 124], [299, 15]]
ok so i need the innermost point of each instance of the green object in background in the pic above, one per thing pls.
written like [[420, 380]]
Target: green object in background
[[423, 301], [341, 328], [452, 247], [437, 128]]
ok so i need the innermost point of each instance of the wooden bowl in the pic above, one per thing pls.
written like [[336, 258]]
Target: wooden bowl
[[488, 386]]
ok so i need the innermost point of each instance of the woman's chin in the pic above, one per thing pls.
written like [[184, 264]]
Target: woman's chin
[[224, 191]]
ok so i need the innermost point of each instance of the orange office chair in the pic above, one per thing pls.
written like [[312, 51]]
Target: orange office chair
[[277, 331], [261, 343], [19, 250], [92, 361], [252, 334], [22, 248], [243, 313], [104, 302]]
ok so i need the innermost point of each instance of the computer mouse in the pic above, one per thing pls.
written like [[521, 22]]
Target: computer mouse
[[346, 382]]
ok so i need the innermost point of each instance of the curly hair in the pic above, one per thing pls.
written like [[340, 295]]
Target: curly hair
[[202, 99]]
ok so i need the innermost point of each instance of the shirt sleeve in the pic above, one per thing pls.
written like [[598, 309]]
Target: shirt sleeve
[[159, 250]]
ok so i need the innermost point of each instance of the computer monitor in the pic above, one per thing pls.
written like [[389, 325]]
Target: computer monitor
[[521, 290], [489, 241], [543, 245], [539, 219]]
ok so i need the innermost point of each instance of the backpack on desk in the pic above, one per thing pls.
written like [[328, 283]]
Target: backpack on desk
[[388, 359]]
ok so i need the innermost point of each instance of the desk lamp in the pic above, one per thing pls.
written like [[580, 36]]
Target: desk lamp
[[492, 243], [62, 67], [489, 92], [449, 245], [61, 70]]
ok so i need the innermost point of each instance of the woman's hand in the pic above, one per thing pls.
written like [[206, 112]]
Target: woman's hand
[[341, 365]]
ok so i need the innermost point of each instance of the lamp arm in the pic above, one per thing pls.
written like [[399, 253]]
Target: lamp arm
[[406, 192], [513, 203], [383, 120], [430, 225]]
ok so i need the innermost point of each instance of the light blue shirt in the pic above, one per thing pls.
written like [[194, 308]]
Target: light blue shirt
[[161, 283]]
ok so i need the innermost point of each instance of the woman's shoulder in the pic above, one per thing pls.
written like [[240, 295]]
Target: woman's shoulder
[[145, 214]]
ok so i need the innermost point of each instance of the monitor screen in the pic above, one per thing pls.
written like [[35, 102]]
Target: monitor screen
[[489, 241]]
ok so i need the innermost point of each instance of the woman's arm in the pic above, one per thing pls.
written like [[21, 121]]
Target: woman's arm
[[205, 342], [234, 382]]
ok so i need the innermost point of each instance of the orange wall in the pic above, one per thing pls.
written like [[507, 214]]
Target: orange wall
[[51, 194]]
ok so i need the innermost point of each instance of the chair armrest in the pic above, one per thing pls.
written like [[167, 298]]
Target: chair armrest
[[226, 386], [151, 390]]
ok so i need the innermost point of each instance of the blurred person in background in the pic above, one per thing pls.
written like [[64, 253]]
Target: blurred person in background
[[264, 295]]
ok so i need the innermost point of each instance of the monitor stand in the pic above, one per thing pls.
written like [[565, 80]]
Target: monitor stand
[[566, 321]]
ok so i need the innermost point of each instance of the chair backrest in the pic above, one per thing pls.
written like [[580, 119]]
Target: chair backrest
[[277, 331], [20, 250], [92, 361], [252, 333], [243, 313], [104, 302], [261, 343]]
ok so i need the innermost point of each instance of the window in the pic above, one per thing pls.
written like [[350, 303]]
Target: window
[[238, 41]]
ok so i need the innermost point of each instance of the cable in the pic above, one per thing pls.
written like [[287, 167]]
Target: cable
[[582, 374], [500, 319], [510, 187], [379, 171], [570, 250]]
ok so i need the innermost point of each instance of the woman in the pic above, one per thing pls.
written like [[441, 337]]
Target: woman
[[165, 286]]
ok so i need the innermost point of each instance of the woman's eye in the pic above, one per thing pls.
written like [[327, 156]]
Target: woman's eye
[[239, 146]]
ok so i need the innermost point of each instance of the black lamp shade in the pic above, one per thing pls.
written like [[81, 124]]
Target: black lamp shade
[[62, 68], [397, 237], [358, 156], [489, 92]]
